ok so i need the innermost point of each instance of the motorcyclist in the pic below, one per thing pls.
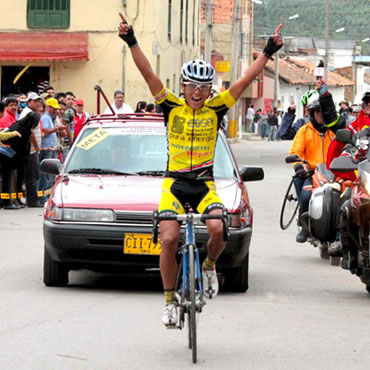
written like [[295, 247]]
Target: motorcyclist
[[311, 143], [288, 128], [336, 148], [346, 247]]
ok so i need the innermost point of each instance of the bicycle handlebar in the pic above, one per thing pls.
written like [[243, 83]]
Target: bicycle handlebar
[[190, 217]]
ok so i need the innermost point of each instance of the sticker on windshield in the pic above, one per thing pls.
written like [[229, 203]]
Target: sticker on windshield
[[94, 138]]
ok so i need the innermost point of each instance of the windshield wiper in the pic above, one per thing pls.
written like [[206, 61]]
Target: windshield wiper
[[99, 171], [150, 173]]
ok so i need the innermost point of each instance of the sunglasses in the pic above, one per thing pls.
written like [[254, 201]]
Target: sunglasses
[[204, 88]]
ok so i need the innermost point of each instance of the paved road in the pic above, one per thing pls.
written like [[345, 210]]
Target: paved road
[[299, 313]]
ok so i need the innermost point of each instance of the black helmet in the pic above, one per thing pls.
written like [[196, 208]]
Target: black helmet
[[366, 97]]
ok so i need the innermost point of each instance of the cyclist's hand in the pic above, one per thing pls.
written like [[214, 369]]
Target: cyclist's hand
[[126, 32], [300, 171], [292, 108], [321, 87], [274, 43]]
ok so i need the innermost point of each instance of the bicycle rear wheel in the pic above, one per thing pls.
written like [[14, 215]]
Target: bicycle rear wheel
[[290, 206], [192, 323]]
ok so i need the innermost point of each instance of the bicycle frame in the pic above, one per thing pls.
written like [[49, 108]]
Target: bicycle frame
[[184, 268]]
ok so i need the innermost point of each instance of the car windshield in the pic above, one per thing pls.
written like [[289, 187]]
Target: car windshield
[[130, 151]]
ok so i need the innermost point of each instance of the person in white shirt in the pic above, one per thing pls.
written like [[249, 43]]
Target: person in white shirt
[[119, 106], [249, 118]]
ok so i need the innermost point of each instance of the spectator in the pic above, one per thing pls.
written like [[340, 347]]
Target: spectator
[[70, 101], [119, 106], [345, 110], [10, 113], [50, 91], [264, 125], [140, 107], [2, 108], [13, 153], [49, 142], [150, 108], [272, 121], [60, 96], [80, 118], [249, 118], [33, 161], [257, 122]]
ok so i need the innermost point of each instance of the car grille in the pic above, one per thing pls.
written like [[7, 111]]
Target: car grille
[[134, 218]]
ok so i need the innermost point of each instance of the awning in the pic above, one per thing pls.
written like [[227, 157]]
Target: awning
[[43, 46]]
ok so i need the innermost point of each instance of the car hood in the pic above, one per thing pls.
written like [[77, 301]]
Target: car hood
[[129, 193]]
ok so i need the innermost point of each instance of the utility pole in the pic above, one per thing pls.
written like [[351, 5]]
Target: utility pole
[[354, 75], [235, 63], [208, 36], [326, 58], [276, 80]]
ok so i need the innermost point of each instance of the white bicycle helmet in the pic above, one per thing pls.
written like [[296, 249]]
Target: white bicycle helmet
[[198, 71], [309, 96]]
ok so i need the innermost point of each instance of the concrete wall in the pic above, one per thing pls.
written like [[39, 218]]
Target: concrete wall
[[110, 64]]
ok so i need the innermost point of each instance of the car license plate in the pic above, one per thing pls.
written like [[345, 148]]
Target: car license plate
[[141, 244]]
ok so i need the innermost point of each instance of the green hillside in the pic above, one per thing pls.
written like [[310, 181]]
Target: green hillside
[[353, 15]]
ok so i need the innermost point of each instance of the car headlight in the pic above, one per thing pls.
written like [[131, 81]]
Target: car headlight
[[81, 214]]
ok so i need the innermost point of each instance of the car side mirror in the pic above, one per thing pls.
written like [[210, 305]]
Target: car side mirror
[[344, 136], [51, 166], [292, 158], [343, 164], [252, 173]]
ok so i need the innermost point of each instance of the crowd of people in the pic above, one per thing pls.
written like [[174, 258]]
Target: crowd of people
[[263, 123], [37, 126]]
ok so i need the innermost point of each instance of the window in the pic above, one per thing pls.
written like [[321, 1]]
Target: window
[[169, 20], [48, 13]]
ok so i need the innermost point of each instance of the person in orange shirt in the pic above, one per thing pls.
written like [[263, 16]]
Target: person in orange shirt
[[311, 143]]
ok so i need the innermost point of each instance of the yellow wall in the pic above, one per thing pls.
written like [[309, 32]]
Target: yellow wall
[[107, 60]]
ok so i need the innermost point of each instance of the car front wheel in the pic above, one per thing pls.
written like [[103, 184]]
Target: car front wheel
[[236, 279], [55, 273]]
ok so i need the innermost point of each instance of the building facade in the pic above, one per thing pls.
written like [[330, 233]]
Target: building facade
[[73, 45]]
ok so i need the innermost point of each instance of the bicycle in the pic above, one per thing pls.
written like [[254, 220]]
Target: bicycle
[[290, 206], [189, 289]]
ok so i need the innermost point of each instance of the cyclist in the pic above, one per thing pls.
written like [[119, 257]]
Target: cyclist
[[311, 143], [192, 124], [287, 128]]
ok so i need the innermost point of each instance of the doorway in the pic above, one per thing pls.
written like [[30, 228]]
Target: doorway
[[34, 79]]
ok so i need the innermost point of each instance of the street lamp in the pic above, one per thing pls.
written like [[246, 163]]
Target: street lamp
[[366, 40], [340, 29]]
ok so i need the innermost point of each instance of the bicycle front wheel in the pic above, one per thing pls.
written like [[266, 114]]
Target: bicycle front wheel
[[192, 323], [290, 206]]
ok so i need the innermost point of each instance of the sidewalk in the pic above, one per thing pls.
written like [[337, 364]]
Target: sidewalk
[[245, 137]]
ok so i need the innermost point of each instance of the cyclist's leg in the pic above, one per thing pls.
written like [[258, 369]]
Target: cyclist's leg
[[169, 233], [212, 204]]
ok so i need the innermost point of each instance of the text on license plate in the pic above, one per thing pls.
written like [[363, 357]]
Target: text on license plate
[[141, 244]]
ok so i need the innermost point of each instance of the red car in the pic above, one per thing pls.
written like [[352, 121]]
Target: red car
[[99, 214]]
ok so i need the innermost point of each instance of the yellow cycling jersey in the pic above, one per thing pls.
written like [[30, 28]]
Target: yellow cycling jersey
[[192, 134]]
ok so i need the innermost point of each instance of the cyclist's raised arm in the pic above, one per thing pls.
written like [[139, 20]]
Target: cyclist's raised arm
[[275, 42], [126, 33]]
